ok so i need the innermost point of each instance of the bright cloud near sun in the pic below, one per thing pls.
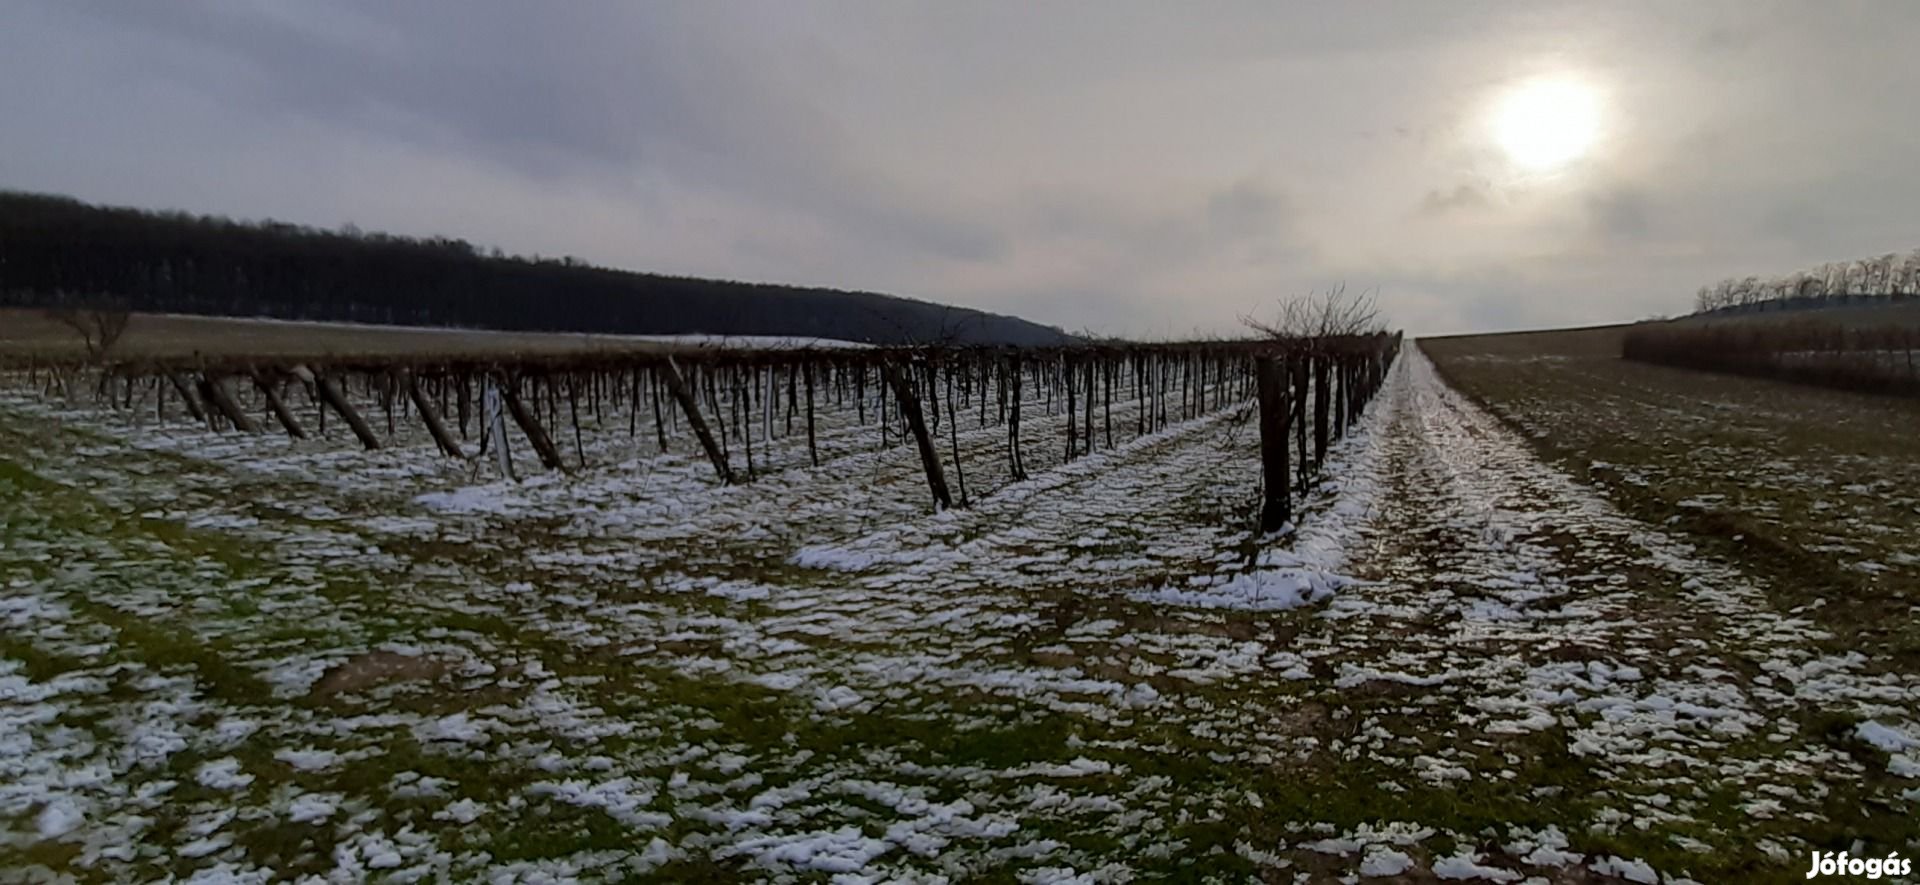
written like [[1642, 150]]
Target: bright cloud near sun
[[1547, 123]]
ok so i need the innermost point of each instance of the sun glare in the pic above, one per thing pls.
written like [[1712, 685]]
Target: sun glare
[[1548, 123]]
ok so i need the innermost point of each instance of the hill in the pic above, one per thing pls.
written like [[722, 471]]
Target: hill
[[56, 251]]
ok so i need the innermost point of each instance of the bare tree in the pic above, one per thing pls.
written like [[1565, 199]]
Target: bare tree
[[100, 328], [1321, 315]]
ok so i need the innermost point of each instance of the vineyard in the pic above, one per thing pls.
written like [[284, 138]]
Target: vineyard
[[1874, 359], [267, 546], [1862, 337], [824, 443], [720, 402], [1210, 610]]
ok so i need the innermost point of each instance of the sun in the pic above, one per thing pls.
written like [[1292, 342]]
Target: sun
[[1547, 123]]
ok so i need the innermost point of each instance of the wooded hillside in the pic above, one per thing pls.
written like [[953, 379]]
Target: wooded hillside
[[56, 251]]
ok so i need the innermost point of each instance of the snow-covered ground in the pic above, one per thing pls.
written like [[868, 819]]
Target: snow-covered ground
[[226, 658]]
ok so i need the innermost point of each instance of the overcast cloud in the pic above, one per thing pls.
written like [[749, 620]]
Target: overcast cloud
[[1137, 168]]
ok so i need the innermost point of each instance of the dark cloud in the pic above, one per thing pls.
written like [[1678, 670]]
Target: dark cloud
[[1131, 166], [1620, 212], [580, 90], [1247, 208], [1464, 196]]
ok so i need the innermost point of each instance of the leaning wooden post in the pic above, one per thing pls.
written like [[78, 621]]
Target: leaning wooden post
[[331, 395], [187, 396], [279, 407], [677, 387], [430, 416], [1271, 378], [916, 422], [529, 425], [214, 389]]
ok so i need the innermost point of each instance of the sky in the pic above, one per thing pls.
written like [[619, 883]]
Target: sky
[[1121, 168]]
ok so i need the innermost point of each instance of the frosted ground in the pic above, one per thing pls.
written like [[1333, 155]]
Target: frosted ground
[[1818, 488], [231, 659]]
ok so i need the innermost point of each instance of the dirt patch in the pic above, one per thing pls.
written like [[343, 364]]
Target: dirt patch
[[376, 668]]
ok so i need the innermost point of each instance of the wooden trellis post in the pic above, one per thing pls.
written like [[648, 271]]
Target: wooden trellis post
[[186, 396], [1271, 379], [429, 416], [530, 425], [917, 423], [677, 386], [279, 407], [331, 395], [214, 389]]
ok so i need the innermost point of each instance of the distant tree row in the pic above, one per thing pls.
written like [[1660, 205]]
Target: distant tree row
[[58, 252], [1875, 358], [1889, 275]]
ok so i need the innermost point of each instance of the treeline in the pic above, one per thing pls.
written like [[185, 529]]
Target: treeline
[[59, 252], [1875, 359], [1890, 276]]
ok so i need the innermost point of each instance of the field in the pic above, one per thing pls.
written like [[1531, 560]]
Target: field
[[1905, 312], [33, 333], [1818, 489], [1859, 349], [1482, 653]]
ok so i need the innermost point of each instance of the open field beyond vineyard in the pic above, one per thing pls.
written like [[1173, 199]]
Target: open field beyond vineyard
[[1820, 488], [1675, 646], [35, 333]]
